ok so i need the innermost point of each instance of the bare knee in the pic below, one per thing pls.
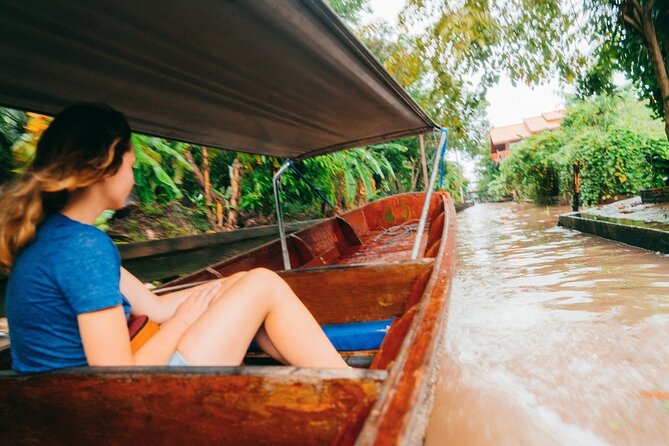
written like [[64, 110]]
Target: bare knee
[[274, 284], [266, 276]]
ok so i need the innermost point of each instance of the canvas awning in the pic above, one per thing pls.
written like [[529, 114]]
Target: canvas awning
[[276, 77]]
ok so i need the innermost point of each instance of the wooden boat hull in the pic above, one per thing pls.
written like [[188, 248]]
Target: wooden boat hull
[[345, 271]]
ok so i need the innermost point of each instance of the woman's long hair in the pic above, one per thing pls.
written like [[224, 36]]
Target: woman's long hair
[[83, 144]]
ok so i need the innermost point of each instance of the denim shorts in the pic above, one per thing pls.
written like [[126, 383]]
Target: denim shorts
[[177, 360]]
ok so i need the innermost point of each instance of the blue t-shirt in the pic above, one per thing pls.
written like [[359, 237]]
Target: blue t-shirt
[[69, 268]]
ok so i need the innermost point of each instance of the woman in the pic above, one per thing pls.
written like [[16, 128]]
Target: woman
[[68, 299]]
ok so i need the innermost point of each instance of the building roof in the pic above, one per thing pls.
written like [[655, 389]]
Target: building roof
[[555, 115], [509, 133], [536, 124], [499, 136]]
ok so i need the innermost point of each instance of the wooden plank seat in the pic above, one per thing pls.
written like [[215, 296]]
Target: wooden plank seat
[[136, 405], [360, 292]]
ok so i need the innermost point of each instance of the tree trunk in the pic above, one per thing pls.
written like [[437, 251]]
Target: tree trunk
[[362, 197], [658, 64], [642, 20], [341, 202], [205, 174], [234, 192], [203, 180]]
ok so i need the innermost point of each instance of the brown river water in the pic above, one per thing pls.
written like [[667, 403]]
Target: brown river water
[[554, 337]]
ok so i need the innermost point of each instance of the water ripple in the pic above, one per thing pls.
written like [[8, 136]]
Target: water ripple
[[554, 336]]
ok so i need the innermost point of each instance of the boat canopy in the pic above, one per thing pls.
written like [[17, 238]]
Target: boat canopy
[[283, 78]]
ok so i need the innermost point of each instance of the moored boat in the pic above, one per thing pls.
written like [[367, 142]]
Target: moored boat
[[309, 87]]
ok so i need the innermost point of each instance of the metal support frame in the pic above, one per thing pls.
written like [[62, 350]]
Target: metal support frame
[[279, 214], [438, 156]]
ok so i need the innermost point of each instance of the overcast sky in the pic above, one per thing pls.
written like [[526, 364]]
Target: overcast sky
[[508, 104]]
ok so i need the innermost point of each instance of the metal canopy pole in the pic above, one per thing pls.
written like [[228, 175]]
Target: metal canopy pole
[[279, 214], [428, 194]]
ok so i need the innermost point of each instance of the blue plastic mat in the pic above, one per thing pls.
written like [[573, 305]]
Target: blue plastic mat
[[352, 336]]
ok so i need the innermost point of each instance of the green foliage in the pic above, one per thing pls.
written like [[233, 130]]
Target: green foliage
[[490, 186], [533, 169], [614, 140], [349, 10], [11, 129], [622, 42], [454, 180], [466, 47], [345, 178], [102, 219], [596, 79], [159, 169]]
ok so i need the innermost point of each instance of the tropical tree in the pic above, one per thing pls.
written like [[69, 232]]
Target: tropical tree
[[365, 173], [12, 123], [632, 36], [159, 169], [468, 44]]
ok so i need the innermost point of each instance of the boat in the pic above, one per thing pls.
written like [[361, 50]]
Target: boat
[[389, 262]]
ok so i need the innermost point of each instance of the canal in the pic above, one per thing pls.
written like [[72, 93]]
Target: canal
[[554, 337]]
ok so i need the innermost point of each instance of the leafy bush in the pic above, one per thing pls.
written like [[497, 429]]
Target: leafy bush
[[11, 128], [615, 141], [532, 171]]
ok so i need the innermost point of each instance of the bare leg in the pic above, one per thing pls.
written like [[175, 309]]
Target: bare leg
[[222, 334], [265, 343], [261, 338]]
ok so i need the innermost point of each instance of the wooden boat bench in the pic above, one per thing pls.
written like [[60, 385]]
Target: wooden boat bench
[[161, 405]]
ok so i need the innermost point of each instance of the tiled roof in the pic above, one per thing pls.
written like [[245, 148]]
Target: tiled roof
[[530, 126], [509, 133], [536, 124], [555, 115]]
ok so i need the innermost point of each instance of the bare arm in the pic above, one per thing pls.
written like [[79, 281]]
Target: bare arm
[[161, 308], [158, 308], [104, 333]]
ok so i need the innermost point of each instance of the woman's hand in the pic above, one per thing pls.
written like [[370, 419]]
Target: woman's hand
[[196, 304]]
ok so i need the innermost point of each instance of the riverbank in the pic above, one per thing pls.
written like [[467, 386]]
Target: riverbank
[[632, 210], [644, 225]]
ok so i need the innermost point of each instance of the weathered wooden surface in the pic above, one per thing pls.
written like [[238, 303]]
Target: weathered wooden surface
[[398, 416], [354, 358], [392, 343], [351, 238], [276, 405], [303, 248], [149, 248], [176, 406], [355, 293]]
